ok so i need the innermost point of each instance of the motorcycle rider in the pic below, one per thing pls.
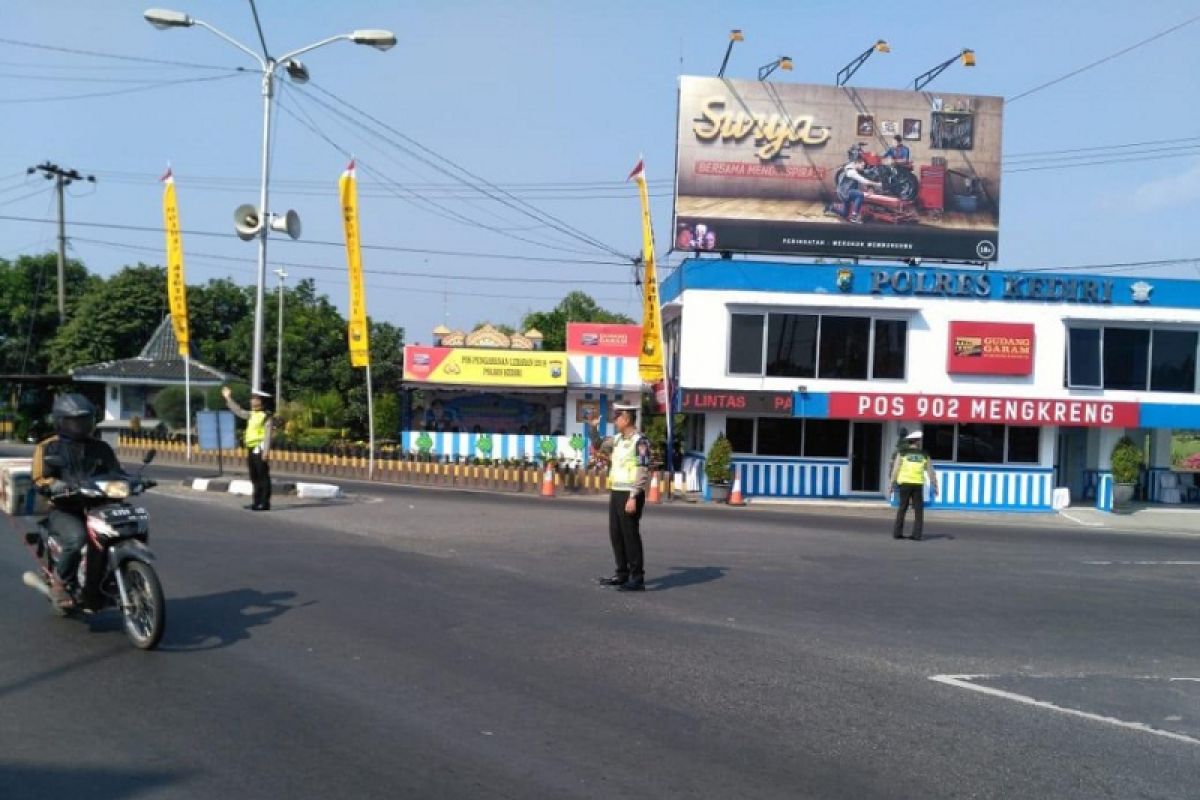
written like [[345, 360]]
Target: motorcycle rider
[[850, 190], [78, 456]]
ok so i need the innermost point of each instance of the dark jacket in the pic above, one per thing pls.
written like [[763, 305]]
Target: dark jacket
[[82, 460]]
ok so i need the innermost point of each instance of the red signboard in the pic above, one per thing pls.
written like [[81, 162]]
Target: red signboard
[[597, 339], [737, 402], [990, 348], [996, 410]]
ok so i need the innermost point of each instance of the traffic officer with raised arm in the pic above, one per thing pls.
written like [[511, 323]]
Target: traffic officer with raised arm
[[629, 471], [909, 469], [257, 439]]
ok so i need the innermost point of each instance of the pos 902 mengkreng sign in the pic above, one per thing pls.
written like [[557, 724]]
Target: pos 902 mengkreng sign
[[770, 168], [475, 366]]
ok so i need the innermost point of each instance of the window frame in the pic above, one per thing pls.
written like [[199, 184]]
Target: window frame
[[1151, 329], [1007, 462], [820, 313]]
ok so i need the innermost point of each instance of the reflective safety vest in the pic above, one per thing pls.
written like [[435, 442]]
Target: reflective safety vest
[[912, 468], [623, 473], [256, 429]]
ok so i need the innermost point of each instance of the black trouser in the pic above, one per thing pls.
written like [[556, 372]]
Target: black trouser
[[910, 493], [624, 530], [260, 476], [71, 532]]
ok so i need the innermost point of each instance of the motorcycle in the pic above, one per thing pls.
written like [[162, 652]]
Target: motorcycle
[[116, 569], [898, 179]]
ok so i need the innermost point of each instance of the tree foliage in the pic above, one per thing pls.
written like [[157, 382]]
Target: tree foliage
[[29, 308], [575, 307]]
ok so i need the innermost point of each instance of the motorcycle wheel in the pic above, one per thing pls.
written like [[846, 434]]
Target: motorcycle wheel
[[146, 620], [905, 185]]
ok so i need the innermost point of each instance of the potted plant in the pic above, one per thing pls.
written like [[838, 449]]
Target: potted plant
[[718, 467], [1126, 469]]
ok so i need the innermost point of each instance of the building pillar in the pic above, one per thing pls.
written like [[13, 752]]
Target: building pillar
[[1160, 447]]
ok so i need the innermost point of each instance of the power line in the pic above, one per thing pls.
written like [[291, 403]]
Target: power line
[[147, 87], [1106, 59], [115, 56], [1037, 153], [384, 248], [1099, 163]]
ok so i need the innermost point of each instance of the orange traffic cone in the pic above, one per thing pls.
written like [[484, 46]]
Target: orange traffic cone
[[735, 496], [653, 496], [548, 482]]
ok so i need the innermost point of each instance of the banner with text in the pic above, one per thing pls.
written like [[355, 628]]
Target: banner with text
[[990, 348], [360, 345], [823, 170], [176, 285], [603, 339], [995, 410], [466, 366]]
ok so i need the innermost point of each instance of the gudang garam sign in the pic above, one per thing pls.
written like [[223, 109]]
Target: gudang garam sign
[[770, 168], [467, 366], [990, 348]]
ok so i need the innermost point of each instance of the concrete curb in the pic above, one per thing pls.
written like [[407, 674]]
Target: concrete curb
[[243, 487]]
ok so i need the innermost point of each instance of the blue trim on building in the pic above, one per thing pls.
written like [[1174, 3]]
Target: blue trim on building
[[1169, 415], [811, 405], [981, 488], [1104, 492]]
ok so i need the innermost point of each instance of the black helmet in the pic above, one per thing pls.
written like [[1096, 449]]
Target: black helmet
[[74, 416]]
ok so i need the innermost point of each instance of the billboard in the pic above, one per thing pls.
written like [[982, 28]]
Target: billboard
[[604, 339], [990, 348], [804, 169], [467, 366]]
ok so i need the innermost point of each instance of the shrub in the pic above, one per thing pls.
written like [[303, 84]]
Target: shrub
[[719, 463], [1126, 461]]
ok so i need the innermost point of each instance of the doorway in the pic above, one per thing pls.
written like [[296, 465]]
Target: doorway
[[866, 456], [1070, 463]]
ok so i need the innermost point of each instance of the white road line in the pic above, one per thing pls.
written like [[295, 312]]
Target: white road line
[[1144, 563], [1082, 522], [964, 682]]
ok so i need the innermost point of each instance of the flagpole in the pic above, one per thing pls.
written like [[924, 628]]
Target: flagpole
[[187, 399], [370, 424]]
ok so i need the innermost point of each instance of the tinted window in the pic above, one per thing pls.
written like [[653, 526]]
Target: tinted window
[[740, 433], [981, 444], [939, 442], [845, 345], [1126, 352], [779, 436], [1023, 445], [745, 343], [1173, 364], [891, 339], [792, 345], [827, 438], [1084, 357]]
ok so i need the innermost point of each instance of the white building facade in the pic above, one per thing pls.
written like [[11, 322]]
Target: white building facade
[[1021, 382]]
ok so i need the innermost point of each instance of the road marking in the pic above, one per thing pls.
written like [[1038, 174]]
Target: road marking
[[1144, 563], [1081, 521], [964, 682]]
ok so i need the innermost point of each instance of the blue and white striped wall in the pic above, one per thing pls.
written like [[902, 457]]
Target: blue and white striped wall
[[504, 445], [765, 477], [993, 488], [603, 372], [1104, 492], [1151, 490]]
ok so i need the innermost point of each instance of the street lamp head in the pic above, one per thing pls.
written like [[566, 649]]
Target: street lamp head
[[785, 62], [735, 35], [162, 19], [882, 47], [379, 39], [968, 58], [296, 71]]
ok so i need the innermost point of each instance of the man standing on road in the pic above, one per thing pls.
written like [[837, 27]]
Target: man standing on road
[[258, 444], [629, 472], [909, 469]]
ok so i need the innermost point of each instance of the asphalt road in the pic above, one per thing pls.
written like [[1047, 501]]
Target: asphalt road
[[436, 644]]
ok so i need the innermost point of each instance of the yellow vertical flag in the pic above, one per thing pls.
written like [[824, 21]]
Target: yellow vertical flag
[[360, 347], [650, 363], [176, 287]]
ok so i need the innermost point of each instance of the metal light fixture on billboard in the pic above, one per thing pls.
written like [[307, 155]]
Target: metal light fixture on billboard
[[847, 72], [288, 223], [735, 35], [968, 59], [783, 62], [247, 222]]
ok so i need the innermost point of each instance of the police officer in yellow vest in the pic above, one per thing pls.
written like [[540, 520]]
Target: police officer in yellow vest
[[629, 473], [258, 444], [909, 469]]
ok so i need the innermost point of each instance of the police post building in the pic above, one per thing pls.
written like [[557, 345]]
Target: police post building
[[1021, 382]]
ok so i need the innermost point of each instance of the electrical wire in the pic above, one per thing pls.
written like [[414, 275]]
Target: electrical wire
[[1104, 60], [131, 90], [1047, 153], [114, 56]]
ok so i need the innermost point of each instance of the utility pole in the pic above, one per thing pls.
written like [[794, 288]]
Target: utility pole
[[62, 178], [279, 351]]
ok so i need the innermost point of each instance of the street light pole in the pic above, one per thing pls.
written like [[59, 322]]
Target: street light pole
[[279, 351], [379, 39]]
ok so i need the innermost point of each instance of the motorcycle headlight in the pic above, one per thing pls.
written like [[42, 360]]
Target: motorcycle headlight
[[115, 490]]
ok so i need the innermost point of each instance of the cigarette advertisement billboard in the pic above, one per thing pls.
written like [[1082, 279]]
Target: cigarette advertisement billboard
[[802, 169]]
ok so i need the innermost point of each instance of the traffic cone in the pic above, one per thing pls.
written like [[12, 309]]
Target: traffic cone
[[653, 496], [735, 496], [548, 482]]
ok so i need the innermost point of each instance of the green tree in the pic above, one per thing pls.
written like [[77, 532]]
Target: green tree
[[575, 307], [215, 311], [507, 330], [171, 405], [29, 308], [114, 320], [387, 416]]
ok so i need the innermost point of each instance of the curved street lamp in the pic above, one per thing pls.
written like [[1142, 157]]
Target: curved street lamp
[[735, 35], [847, 72], [783, 62], [379, 39], [968, 60]]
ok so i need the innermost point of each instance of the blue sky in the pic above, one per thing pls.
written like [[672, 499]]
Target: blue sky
[[553, 101]]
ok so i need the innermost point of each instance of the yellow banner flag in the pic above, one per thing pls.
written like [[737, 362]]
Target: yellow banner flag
[[650, 362], [360, 347], [176, 287]]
